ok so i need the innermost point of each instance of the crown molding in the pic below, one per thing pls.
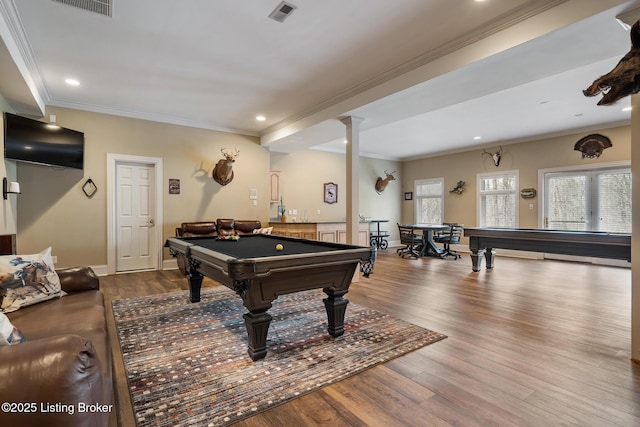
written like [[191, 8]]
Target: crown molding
[[506, 142], [149, 117], [26, 59]]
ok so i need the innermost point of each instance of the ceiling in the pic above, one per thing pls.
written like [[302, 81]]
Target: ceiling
[[426, 76]]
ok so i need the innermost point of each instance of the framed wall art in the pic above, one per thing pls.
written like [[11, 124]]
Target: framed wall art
[[330, 192], [174, 186]]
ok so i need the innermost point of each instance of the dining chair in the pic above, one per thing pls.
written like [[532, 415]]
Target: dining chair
[[448, 237], [410, 239]]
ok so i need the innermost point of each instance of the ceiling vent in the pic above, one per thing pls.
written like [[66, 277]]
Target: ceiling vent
[[282, 11], [103, 7]]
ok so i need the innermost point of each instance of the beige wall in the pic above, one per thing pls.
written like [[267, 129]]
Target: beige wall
[[53, 210], [302, 178], [527, 158], [8, 214]]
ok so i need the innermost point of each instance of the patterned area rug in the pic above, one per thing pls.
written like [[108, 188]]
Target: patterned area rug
[[187, 364]]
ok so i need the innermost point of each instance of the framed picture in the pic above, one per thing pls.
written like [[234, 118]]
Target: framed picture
[[408, 195], [174, 186], [330, 192]]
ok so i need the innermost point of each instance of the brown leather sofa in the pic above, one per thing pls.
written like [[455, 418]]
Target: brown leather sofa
[[62, 374], [221, 226]]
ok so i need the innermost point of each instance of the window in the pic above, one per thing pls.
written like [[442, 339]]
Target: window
[[588, 200], [498, 199], [429, 201]]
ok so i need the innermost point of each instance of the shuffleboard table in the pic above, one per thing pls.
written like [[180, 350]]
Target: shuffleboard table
[[258, 272], [581, 243]]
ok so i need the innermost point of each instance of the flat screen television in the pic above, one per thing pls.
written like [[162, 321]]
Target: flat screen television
[[32, 141]]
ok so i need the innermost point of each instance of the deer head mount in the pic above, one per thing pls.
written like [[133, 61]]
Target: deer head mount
[[624, 79], [381, 183], [223, 172], [496, 157]]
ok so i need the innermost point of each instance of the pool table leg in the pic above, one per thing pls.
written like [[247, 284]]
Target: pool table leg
[[195, 283], [488, 254], [257, 328], [476, 259], [336, 307]]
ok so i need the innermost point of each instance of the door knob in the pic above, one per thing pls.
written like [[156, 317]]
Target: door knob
[[151, 222]]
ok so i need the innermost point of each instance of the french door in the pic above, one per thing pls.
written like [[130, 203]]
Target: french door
[[588, 200], [591, 200]]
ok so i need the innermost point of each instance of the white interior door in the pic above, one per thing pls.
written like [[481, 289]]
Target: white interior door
[[136, 242]]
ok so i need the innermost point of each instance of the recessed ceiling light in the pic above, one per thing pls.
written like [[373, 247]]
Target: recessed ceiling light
[[477, 137], [261, 118], [627, 109], [346, 142], [72, 82]]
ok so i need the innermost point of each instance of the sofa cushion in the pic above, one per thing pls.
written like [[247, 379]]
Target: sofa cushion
[[27, 280], [81, 313], [78, 279], [225, 226], [246, 226], [62, 370], [191, 229], [9, 334]]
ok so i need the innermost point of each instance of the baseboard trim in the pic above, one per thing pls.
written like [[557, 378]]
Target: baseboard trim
[[100, 270], [167, 264]]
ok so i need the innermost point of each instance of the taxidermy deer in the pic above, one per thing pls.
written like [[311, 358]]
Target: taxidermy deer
[[496, 157], [624, 79], [381, 184], [223, 172]]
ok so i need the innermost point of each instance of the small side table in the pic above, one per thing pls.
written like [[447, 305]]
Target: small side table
[[377, 237]]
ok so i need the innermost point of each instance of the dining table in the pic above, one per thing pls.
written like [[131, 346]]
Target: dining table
[[428, 246]]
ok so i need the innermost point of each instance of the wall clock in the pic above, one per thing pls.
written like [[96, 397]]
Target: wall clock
[[330, 192]]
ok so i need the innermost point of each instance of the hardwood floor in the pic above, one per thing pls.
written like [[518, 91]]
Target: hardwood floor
[[531, 343]]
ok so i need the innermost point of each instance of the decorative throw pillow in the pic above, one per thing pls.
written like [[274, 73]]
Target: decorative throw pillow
[[26, 280], [266, 230], [9, 334]]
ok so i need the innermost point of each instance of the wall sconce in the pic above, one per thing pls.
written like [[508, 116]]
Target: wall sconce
[[9, 188]]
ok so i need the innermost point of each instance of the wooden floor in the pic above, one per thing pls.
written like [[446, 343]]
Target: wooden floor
[[531, 343]]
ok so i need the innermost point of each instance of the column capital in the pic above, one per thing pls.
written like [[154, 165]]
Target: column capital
[[350, 120]]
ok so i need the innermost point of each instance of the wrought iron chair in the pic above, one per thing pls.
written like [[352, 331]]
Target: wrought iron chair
[[450, 237], [411, 240]]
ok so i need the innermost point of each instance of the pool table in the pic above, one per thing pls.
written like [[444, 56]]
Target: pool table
[[258, 272], [581, 243]]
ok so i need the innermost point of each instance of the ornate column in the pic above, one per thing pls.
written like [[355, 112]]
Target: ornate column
[[353, 177]]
